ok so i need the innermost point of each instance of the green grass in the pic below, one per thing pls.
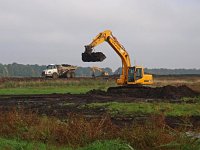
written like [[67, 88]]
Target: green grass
[[107, 145], [194, 99], [168, 109], [51, 86], [45, 90], [14, 144]]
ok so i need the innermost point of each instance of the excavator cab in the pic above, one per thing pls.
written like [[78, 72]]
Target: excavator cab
[[136, 75]]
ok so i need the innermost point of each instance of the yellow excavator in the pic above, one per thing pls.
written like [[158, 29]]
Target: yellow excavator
[[131, 75]]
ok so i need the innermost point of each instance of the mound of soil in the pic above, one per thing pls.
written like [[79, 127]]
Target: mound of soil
[[96, 92], [166, 92]]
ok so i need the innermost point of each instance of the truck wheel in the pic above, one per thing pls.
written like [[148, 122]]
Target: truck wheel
[[68, 75], [72, 75], [55, 76]]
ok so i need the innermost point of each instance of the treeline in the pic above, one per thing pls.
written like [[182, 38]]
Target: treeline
[[163, 71], [20, 70]]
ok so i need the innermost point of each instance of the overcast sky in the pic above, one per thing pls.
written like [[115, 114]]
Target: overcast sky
[[156, 33]]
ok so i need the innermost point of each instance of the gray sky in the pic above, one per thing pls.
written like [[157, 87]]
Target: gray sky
[[156, 33]]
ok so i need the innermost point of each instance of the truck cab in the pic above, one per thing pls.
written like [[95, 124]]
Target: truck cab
[[50, 71]]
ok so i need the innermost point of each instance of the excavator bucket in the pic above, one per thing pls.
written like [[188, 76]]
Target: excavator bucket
[[93, 57], [89, 56]]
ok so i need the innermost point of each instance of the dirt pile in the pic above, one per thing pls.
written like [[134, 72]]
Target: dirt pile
[[166, 92]]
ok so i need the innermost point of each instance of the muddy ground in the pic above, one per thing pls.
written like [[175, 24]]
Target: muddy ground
[[61, 105]]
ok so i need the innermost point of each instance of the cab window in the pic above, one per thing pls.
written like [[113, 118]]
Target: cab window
[[131, 74], [138, 73], [51, 67]]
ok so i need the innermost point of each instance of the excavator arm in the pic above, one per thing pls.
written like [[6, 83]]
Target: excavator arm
[[107, 36]]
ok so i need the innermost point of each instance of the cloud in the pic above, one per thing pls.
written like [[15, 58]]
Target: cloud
[[156, 33]]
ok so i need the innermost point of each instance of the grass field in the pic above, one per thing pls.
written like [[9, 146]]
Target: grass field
[[83, 85], [45, 90], [169, 109], [22, 130], [51, 86], [30, 131], [191, 81], [14, 144]]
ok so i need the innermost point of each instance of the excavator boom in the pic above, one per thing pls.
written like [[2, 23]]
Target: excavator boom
[[89, 56]]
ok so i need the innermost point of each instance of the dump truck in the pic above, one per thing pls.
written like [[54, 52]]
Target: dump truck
[[59, 71]]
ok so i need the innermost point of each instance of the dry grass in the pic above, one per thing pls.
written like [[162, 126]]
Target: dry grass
[[192, 81], [75, 131], [78, 131]]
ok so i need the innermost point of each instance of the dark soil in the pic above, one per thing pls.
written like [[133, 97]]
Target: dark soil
[[13, 79], [166, 92], [60, 105]]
